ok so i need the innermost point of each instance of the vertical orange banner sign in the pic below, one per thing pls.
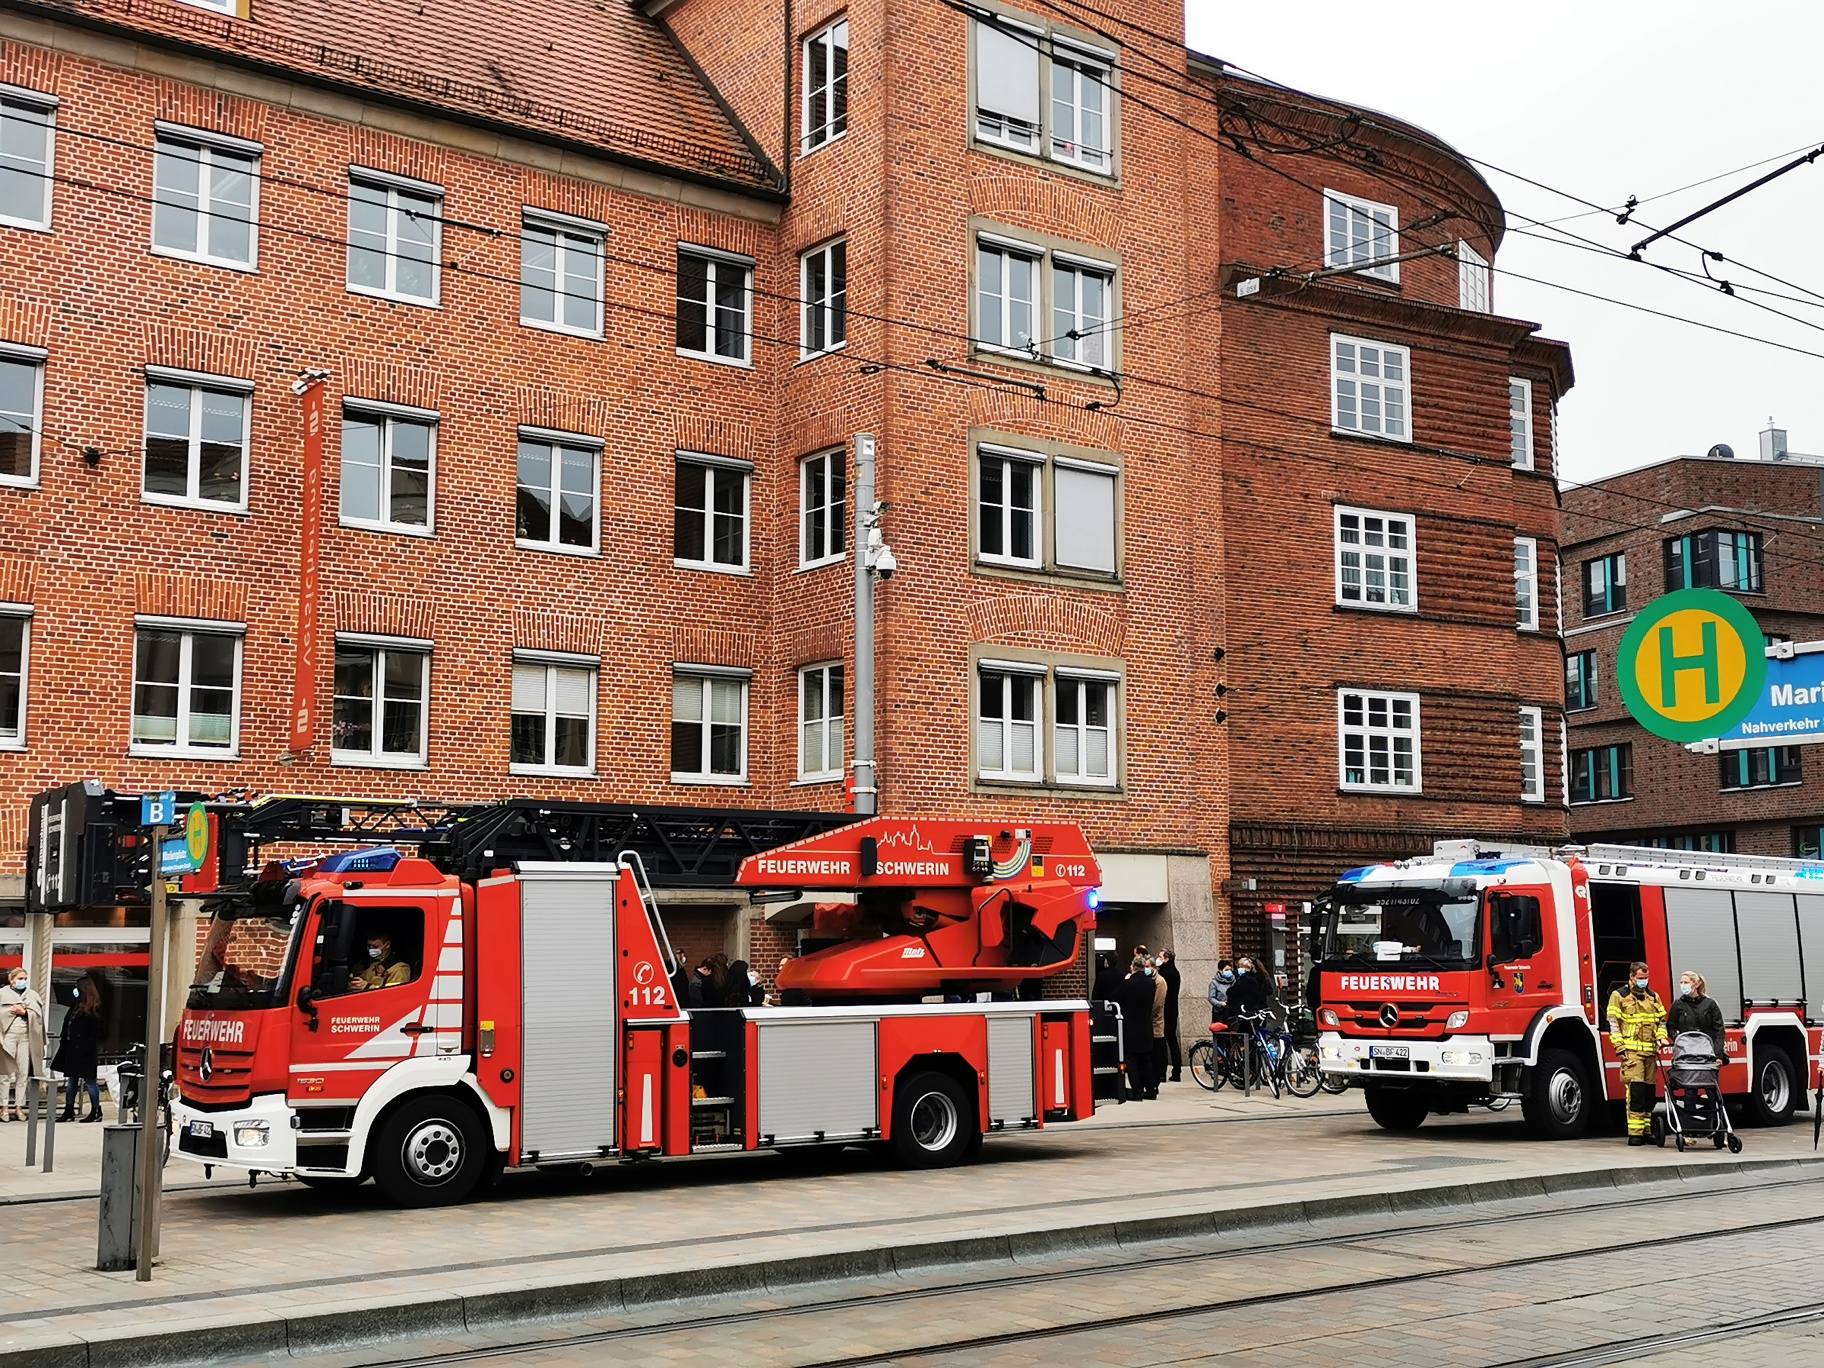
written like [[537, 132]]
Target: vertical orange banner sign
[[310, 566]]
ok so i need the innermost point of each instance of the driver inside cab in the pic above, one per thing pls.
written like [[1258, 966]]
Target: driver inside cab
[[382, 970]]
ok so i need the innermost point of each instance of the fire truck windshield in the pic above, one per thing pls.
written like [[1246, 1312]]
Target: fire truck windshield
[[1437, 922], [246, 961]]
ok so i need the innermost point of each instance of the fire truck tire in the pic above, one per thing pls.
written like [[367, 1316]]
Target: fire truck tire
[[1397, 1109], [1773, 1091], [1558, 1103], [933, 1123], [430, 1152]]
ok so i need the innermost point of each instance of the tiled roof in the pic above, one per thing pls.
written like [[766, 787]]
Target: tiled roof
[[594, 72]]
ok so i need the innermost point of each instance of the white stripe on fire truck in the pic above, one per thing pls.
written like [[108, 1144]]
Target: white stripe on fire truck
[[450, 961]]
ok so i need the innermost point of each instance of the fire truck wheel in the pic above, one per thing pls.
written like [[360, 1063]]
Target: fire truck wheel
[[1558, 1103], [1774, 1094], [933, 1123], [429, 1153], [1397, 1109]]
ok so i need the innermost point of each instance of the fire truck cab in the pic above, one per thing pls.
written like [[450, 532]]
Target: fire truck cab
[[1480, 976], [371, 1014]]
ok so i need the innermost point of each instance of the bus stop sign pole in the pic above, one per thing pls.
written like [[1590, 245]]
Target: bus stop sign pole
[[150, 1171]]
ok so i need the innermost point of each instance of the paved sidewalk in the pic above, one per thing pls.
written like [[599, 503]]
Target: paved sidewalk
[[283, 1262]]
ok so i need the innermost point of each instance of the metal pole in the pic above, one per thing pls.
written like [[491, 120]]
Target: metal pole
[[149, 1173], [866, 787]]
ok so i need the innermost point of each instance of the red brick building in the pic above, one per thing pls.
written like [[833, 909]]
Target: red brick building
[[1747, 527], [604, 302]]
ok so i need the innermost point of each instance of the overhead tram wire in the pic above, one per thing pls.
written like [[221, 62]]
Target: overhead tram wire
[[668, 317]]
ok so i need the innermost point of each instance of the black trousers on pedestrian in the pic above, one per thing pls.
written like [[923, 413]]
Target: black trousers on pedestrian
[[1173, 1050], [1159, 1055], [1141, 1081]]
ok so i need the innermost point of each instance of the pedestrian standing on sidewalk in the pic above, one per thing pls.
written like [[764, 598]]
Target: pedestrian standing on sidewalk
[[1136, 999], [77, 1050], [1695, 1012], [1174, 981], [21, 1042], [1219, 989], [1637, 1028], [1160, 994]]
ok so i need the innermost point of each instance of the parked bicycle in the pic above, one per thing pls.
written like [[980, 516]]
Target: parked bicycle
[[132, 1076], [1257, 1052]]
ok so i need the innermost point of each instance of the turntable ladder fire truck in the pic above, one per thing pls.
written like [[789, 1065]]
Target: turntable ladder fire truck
[[525, 1012], [1481, 976]]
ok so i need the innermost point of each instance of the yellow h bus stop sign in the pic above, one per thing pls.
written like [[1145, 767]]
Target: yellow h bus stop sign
[[1691, 665]]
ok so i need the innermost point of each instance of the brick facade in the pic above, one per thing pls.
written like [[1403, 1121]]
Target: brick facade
[[1678, 796], [1217, 432]]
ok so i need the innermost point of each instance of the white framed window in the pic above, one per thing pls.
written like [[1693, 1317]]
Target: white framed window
[[553, 713], [1007, 296], [28, 129], [1374, 560], [1083, 727], [1359, 231], [186, 688], [1037, 92], [823, 507], [708, 725], [710, 513], [382, 703], [205, 197], [1080, 98], [1520, 422], [395, 236], [1532, 755], [389, 468], [1368, 387], [560, 273], [1010, 520], [823, 277], [826, 85], [15, 673], [1378, 741], [557, 505], [196, 440], [1526, 583], [21, 413], [1042, 304], [1085, 509], [1473, 290], [820, 711], [715, 304], [1081, 293], [1009, 743]]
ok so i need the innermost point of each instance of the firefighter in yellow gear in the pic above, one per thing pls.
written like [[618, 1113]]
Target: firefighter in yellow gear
[[1637, 1028]]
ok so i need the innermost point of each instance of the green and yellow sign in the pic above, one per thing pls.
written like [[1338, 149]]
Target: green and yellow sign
[[1691, 665]]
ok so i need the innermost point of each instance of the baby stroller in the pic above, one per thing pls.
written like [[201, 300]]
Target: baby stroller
[[1694, 1096]]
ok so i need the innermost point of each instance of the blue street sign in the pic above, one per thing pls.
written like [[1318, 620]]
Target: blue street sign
[[175, 857], [1790, 708], [157, 809]]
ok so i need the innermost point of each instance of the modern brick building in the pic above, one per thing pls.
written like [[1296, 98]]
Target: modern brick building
[[1750, 528], [603, 302]]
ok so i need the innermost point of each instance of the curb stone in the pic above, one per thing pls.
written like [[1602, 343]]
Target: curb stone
[[381, 1321]]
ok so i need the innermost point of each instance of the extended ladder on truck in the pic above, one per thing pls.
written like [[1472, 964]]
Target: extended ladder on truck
[[491, 987]]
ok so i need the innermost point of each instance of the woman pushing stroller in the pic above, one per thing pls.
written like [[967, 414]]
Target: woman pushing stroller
[[1695, 1012]]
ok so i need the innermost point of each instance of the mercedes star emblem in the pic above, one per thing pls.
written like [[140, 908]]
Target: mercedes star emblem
[[207, 1067], [1390, 1017]]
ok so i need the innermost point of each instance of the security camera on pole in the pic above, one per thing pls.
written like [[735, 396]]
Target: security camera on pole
[[875, 557]]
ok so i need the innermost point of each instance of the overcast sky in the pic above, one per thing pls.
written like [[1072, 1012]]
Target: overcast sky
[[1607, 98]]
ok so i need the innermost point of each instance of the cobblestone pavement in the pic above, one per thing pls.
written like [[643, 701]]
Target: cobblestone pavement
[[1532, 1282], [281, 1252]]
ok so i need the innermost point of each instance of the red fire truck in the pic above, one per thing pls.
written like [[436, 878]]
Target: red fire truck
[[1480, 976], [524, 1012]]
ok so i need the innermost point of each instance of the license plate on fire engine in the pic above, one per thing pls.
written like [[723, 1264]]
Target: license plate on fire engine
[[202, 1130], [1390, 1051]]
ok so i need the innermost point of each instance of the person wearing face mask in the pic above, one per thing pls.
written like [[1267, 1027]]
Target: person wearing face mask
[[742, 987], [1637, 1028], [1161, 993], [1249, 993], [382, 970], [1219, 988], [1695, 1012], [1136, 996], [21, 1042], [1174, 983]]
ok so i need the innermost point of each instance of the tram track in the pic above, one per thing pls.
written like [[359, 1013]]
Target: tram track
[[1257, 1249]]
